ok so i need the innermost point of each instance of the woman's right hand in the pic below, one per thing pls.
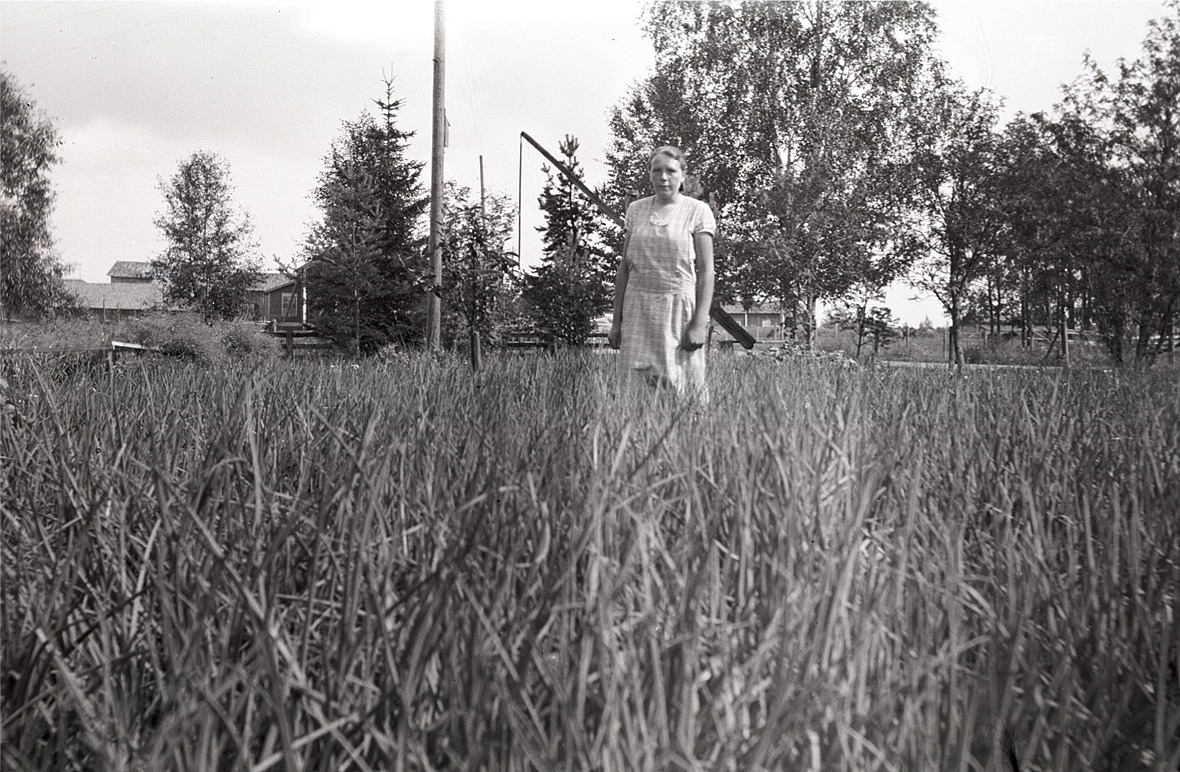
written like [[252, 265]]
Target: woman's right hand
[[614, 336]]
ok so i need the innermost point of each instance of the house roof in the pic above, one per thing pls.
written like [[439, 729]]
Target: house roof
[[270, 281], [131, 269], [125, 297], [142, 269]]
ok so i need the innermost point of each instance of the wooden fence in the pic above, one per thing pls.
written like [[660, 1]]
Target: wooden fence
[[301, 341], [528, 340]]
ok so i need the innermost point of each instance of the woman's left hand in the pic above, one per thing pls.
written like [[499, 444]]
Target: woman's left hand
[[694, 337], [615, 336]]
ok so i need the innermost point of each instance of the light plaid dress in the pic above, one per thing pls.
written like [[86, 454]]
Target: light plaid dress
[[661, 294]]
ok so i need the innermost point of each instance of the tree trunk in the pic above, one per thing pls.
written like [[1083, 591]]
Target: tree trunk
[[860, 330], [809, 321], [954, 352], [1063, 322], [356, 322], [1026, 332], [995, 306], [956, 285], [473, 329], [476, 352], [802, 307], [1142, 344]]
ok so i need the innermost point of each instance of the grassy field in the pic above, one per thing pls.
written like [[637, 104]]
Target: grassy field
[[397, 566], [931, 346]]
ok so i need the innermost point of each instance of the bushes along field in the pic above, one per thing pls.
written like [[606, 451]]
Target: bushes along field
[[398, 566]]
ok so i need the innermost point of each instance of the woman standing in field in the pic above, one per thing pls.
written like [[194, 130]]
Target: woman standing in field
[[664, 285]]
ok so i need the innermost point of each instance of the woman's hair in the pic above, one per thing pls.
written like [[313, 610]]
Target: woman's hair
[[672, 152]]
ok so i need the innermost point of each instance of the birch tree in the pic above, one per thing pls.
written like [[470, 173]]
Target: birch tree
[[796, 120], [956, 197], [210, 261], [30, 269], [1136, 111]]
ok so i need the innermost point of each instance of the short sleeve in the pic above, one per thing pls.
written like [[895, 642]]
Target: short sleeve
[[629, 218], [703, 219]]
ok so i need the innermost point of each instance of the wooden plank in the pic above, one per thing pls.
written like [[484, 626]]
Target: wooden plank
[[730, 325], [55, 350], [114, 345]]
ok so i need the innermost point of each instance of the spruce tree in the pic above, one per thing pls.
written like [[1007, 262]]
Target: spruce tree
[[366, 263], [572, 286]]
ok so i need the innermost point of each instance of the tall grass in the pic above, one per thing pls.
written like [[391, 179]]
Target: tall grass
[[400, 566]]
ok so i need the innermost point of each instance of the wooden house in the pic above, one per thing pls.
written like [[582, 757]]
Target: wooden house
[[279, 299]]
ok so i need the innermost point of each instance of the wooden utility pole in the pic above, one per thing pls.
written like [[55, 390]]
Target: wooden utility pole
[[483, 207], [437, 145]]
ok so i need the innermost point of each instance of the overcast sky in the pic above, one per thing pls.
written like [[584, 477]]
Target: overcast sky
[[136, 87]]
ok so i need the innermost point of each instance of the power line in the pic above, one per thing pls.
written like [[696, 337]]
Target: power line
[[986, 55], [56, 19], [464, 50], [107, 37], [27, 11]]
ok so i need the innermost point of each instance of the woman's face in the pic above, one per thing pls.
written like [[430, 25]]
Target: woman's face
[[666, 175]]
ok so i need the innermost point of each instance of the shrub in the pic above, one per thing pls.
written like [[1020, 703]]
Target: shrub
[[798, 353], [245, 340], [185, 337], [181, 336], [55, 333]]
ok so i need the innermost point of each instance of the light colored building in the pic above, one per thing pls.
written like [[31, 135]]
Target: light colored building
[[131, 272], [117, 299]]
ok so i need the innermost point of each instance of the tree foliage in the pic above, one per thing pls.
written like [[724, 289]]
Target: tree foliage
[[478, 275], [796, 120], [1136, 116], [1033, 189], [572, 286], [1088, 203], [1056, 227], [956, 200], [868, 323], [30, 269], [365, 259], [209, 262]]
